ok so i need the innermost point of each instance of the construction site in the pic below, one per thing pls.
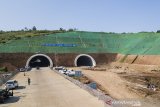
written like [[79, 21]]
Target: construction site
[[124, 66]]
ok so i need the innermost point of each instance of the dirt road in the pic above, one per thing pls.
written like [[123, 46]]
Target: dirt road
[[116, 86], [49, 89]]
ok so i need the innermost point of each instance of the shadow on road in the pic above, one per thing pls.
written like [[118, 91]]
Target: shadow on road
[[20, 87], [12, 100]]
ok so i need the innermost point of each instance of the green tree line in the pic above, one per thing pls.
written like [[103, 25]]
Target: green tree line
[[26, 32]]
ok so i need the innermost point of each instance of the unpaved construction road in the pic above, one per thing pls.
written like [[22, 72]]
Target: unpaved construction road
[[48, 89], [116, 86]]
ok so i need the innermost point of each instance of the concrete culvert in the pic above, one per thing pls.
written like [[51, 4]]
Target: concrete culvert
[[40, 60], [84, 60]]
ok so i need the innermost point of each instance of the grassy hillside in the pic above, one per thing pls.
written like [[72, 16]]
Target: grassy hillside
[[86, 42], [15, 35]]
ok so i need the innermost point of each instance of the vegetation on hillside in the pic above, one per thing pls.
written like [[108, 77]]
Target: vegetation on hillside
[[3, 69], [14, 35]]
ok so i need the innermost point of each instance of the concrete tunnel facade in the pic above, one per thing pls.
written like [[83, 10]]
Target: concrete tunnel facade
[[84, 60], [40, 60], [17, 60], [43, 60]]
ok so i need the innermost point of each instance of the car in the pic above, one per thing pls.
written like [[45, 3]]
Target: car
[[70, 73], [21, 69], [63, 71], [11, 84], [59, 68], [4, 94]]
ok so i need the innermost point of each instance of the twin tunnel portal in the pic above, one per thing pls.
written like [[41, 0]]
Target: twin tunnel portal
[[42, 60]]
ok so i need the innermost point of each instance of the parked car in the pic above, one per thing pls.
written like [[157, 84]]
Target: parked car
[[63, 71], [11, 84], [4, 94], [22, 69], [59, 68], [70, 73]]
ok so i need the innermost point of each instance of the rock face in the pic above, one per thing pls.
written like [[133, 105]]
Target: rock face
[[67, 59]]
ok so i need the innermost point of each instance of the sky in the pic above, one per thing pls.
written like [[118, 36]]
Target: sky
[[85, 15]]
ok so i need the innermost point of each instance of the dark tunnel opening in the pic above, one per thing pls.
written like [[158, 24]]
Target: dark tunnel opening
[[84, 61], [39, 61]]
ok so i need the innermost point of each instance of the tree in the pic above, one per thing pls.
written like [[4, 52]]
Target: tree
[[158, 31], [71, 29], [22, 30], [25, 29], [61, 29], [34, 28], [5, 69], [1, 31]]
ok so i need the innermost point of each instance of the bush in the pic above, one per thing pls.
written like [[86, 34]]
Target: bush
[[3, 69], [28, 36], [2, 41], [16, 38], [158, 31]]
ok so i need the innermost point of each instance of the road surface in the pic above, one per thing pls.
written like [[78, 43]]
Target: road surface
[[49, 89]]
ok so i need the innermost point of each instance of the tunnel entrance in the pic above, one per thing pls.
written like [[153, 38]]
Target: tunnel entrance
[[39, 60], [84, 60]]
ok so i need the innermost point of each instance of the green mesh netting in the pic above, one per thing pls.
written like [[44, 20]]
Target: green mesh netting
[[87, 42]]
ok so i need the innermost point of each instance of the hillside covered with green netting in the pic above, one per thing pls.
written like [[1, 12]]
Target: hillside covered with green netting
[[86, 42]]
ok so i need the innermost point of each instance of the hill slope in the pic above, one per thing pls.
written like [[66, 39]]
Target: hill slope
[[86, 42]]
